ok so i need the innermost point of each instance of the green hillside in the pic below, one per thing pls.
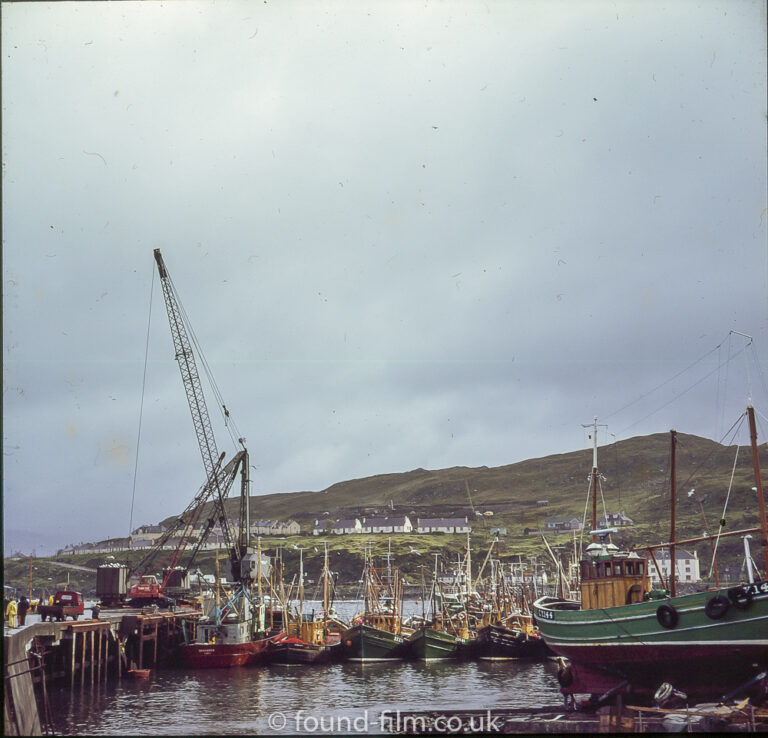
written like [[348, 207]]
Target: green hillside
[[635, 480]]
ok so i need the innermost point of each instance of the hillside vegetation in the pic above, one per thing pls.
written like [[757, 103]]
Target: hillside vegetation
[[635, 480]]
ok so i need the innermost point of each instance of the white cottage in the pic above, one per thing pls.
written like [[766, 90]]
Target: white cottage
[[443, 525]]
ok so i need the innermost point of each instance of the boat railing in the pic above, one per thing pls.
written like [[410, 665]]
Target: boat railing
[[553, 603]]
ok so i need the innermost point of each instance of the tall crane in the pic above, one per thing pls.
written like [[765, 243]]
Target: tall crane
[[202, 423], [219, 479]]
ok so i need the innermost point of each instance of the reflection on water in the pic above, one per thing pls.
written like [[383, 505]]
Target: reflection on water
[[264, 700]]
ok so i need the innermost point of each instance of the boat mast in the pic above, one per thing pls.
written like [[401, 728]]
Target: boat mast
[[468, 575], [325, 587], [759, 484], [258, 570], [672, 485], [301, 586], [593, 425]]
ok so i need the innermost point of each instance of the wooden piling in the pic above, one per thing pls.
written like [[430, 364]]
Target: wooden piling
[[72, 661], [98, 659], [82, 660]]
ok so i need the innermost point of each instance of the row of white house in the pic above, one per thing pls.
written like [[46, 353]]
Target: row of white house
[[214, 540], [395, 524], [258, 528]]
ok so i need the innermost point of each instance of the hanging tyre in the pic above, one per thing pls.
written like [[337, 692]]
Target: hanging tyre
[[741, 597], [667, 616], [717, 606]]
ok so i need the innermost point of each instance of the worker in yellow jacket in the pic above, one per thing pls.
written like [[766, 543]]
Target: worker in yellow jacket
[[10, 613]]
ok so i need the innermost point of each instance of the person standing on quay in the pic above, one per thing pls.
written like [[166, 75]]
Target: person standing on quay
[[23, 607], [10, 612]]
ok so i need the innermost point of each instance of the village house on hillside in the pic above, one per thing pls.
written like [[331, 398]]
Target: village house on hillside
[[397, 524], [275, 528], [614, 520], [151, 532], [563, 524], [443, 525], [320, 528], [686, 567], [140, 543], [347, 526]]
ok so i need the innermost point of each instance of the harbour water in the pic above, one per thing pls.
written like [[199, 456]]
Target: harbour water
[[324, 699], [346, 698]]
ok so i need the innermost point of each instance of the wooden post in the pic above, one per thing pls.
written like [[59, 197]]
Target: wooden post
[[93, 634], [119, 656], [82, 660], [72, 660], [154, 656], [98, 661]]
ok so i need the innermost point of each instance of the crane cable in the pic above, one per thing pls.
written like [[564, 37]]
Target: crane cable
[[229, 422], [141, 406]]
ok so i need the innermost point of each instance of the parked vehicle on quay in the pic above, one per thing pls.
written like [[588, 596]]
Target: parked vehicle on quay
[[66, 603]]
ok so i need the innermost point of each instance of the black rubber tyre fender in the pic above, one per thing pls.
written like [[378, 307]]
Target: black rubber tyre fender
[[717, 606], [741, 597], [667, 616]]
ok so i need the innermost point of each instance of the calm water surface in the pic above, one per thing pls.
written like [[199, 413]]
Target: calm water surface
[[317, 699], [267, 700]]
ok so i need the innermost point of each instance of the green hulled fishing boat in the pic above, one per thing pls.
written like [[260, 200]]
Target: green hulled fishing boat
[[621, 636], [363, 642], [430, 644], [377, 634]]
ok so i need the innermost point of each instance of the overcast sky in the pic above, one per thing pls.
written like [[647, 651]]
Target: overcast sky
[[406, 235]]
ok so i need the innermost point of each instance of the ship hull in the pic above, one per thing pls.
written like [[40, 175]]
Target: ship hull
[[428, 644], [495, 642], [224, 655], [295, 651], [366, 643], [644, 645]]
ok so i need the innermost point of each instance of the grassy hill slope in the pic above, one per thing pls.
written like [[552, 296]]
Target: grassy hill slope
[[635, 479]]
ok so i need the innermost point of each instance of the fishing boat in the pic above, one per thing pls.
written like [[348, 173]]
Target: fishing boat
[[446, 634], [622, 637], [311, 638], [377, 633], [517, 638], [506, 628], [233, 635], [240, 625]]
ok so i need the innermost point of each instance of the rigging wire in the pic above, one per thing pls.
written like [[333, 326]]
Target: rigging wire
[[229, 422], [666, 381], [141, 406], [678, 396], [725, 507]]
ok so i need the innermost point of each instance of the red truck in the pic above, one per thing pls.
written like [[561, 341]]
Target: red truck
[[65, 603]]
